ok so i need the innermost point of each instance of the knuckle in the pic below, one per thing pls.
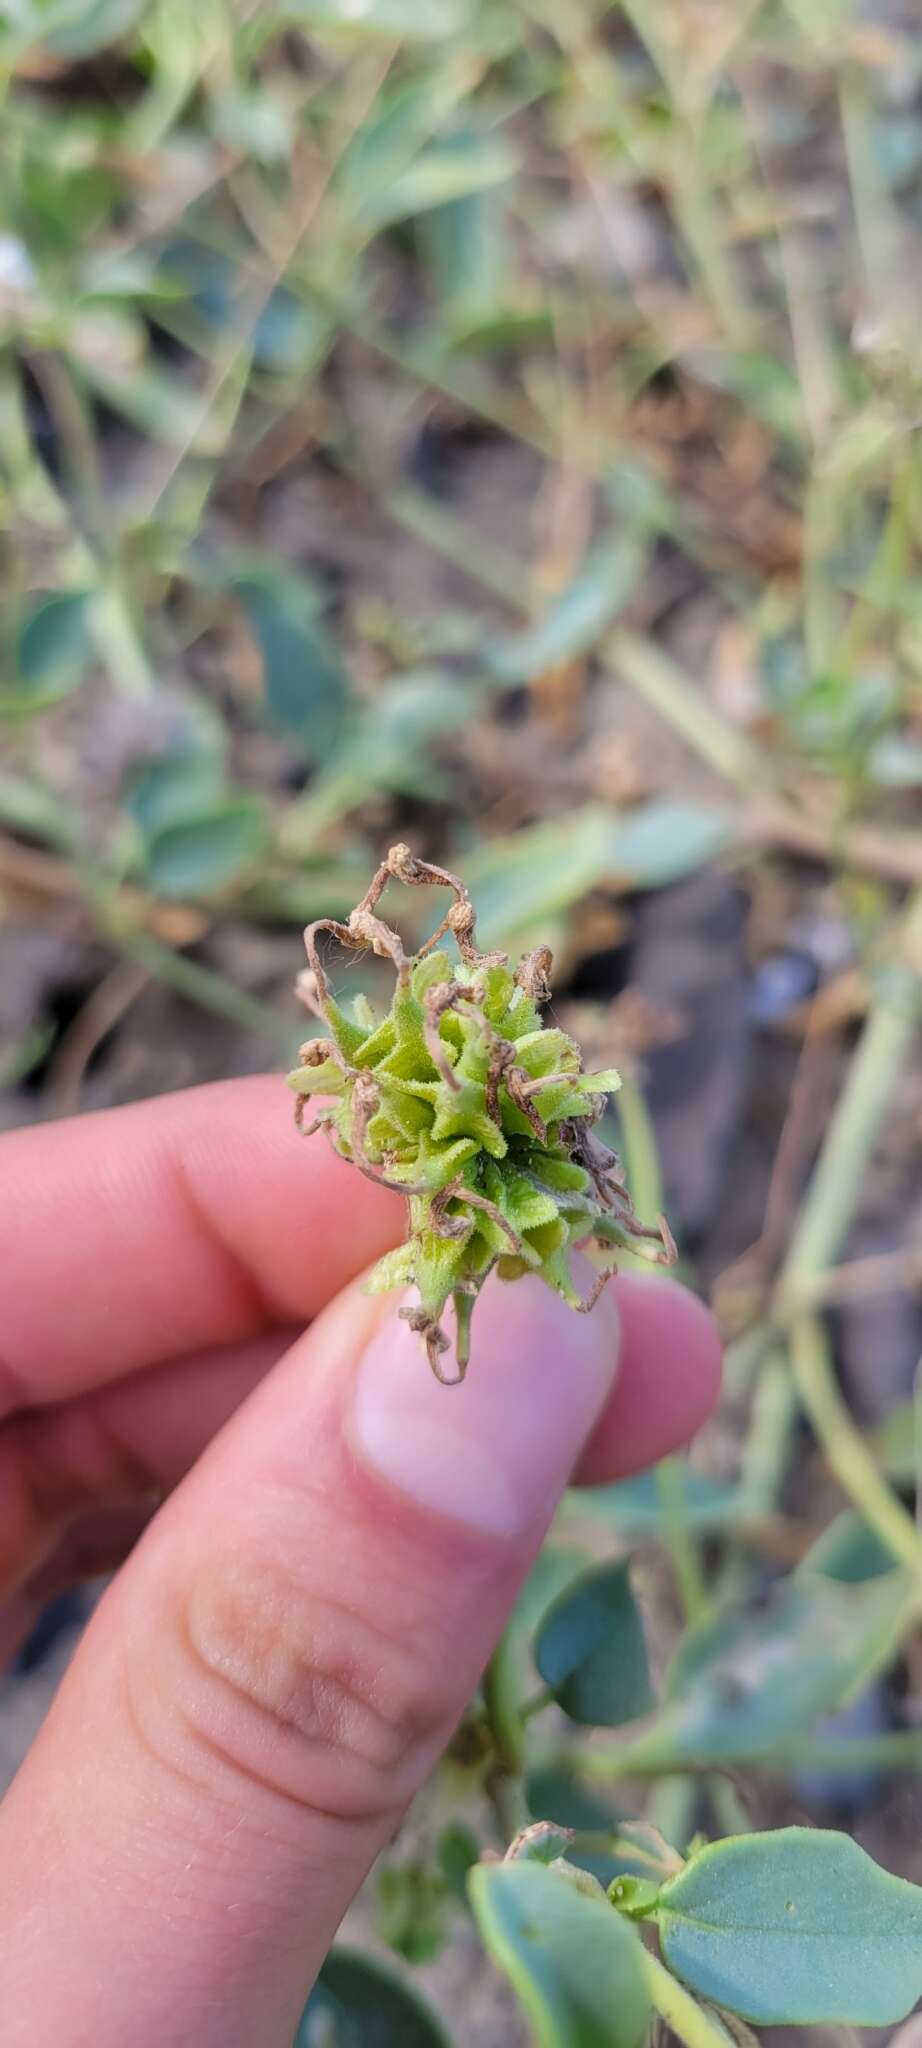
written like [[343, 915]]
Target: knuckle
[[280, 1680]]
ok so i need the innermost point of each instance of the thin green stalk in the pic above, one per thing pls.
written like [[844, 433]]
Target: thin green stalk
[[536, 1704], [662, 684], [900, 1750], [684, 1554], [419, 513], [671, 1809], [641, 1156], [765, 1452], [835, 1189], [844, 1446], [688, 2020], [119, 643], [506, 1794], [210, 990], [638, 1140], [875, 224], [729, 1811], [831, 1202]]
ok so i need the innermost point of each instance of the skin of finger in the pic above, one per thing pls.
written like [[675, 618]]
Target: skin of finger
[[143, 1233], [105, 1863], [142, 1434], [117, 1445], [204, 1869], [671, 1360], [139, 1437]]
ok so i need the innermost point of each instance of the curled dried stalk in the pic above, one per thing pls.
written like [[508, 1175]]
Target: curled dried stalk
[[464, 1101]]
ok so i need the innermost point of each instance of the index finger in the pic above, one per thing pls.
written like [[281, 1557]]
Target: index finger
[[138, 1234]]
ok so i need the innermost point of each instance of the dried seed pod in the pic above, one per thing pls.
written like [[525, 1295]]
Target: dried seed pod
[[463, 1100]]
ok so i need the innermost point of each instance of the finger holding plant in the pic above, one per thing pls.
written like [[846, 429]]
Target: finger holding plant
[[465, 1101]]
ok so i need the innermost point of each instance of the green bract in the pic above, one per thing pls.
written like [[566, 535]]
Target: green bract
[[463, 1100]]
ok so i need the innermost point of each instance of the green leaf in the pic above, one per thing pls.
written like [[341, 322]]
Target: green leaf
[[441, 173], [636, 1506], [895, 762], [590, 1649], [795, 1928], [660, 841], [556, 1793], [896, 1444], [403, 18], [848, 1549], [572, 624], [520, 882], [204, 853], [553, 1569], [386, 747], [37, 811], [307, 689], [457, 1851], [52, 651], [543, 1841], [173, 789], [574, 1964], [463, 246], [413, 1914], [357, 2003], [749, 1678], [523, 881], [78, 31]]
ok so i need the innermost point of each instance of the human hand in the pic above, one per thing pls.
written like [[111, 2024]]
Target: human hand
[[282, 1659]]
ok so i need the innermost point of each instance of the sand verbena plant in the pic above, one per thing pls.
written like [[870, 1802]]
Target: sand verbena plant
[[466, 1102]]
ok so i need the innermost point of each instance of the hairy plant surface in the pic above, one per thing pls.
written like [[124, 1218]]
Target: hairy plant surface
[[466, 1102]]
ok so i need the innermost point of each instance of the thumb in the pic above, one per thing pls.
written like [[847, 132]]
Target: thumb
[[275, 1671]]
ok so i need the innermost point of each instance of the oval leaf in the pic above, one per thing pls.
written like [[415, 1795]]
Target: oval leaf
[[52, 649], [305, 684], [591, 1652], [573, 623], [746, 1680], [356, 2003], [173, 789], [660, 841], [574, 1964], [202, 854], [795, 1928]]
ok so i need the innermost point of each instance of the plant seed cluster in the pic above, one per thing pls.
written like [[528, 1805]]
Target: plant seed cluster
[[464, 1101]]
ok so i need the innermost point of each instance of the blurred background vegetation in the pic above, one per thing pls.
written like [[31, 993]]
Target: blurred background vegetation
[[494, 423]]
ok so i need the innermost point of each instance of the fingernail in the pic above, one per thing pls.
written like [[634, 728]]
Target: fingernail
[[497, 1451]]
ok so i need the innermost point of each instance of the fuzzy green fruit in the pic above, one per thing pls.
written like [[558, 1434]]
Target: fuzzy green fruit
[[463, 1100]]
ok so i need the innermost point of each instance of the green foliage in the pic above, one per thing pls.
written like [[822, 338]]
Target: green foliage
[[590, 1649], [464, 1101], [747, 1679], [795, 1928], [357, 2003], [267, 277], [574, 1964], [52, 651]]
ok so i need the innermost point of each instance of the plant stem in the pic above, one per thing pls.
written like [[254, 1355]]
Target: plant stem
[[671, 1809], [765, 1452], [506, 1794], [832, 1199], [663, 684], [844, 1446], [688, 2020], [537, 1703], [900, 1749], [210, 990], [641, 1158], [862, 1106]]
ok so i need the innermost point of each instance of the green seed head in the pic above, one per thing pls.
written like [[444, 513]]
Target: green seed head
[[466, 1102]]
